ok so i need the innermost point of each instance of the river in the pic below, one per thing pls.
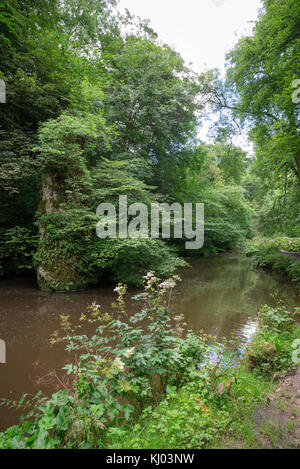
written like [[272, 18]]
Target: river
[[220, 295]]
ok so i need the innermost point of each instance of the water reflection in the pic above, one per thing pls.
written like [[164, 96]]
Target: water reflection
[[223, 294]]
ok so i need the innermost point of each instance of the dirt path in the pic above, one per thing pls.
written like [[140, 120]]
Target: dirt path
[[278, 423]]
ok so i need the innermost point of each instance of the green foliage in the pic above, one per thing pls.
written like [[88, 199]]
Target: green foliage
[[19, 196], [259, 88], [267, 253], [192, 418], [150, 97], [70, 254], [271, 351], [228, 218], [228, 214], [230, 160], [202, 414], [261, 355], [180, 421], [263, 68], [129, 363], [282, 243], [92, 114], [130, 258], [17, 248], [275, 200], [66, 223], [42, 62]]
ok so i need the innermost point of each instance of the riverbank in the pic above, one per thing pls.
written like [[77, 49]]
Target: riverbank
[[154, 385], [258, 415], [282, 255], [253, 406]]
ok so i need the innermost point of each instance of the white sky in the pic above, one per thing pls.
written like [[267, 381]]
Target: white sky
[[202, 31]]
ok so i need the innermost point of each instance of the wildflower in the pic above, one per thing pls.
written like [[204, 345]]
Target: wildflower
[[54, 339], [149, 275], [106, 317], [150, 280], [202, 405], [120, 289], [94, 309], [176, 278], [64, 321], [142, 295], [129, 352], [167, 285], [118, 364]]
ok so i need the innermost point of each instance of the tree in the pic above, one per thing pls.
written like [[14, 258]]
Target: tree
[[45, 54], [150, 97], [262, 70]]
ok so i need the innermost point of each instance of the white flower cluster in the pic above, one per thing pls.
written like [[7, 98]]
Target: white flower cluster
[[149, 275], [118, 364], [170, 283], [119, 289], [150, 280], [167, 285], [129, 352]]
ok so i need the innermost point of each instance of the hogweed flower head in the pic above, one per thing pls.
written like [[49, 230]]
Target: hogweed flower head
[[129, 352], [118, 364], [150, 280], [167, 285]]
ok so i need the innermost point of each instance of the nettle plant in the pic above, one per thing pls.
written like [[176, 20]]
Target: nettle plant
[[131, 361]]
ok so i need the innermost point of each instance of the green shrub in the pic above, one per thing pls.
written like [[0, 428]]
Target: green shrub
[[266, 253], [271, 350], [17, 247], [287, 244], [282, 243], [261, 355]]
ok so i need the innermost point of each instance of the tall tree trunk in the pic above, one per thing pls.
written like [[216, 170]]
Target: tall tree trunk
[[49, 205], [58, 263]]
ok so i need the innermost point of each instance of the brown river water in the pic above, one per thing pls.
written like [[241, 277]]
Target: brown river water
[[220, 295]]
